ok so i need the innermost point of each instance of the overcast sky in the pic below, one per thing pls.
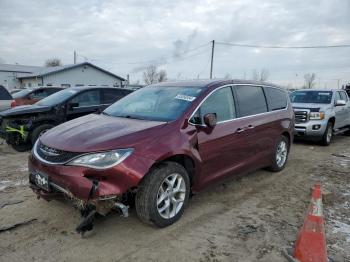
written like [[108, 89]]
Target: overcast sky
[[126, 36]]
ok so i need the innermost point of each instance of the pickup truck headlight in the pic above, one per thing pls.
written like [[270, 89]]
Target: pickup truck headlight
[[102, 160], [316, 115]]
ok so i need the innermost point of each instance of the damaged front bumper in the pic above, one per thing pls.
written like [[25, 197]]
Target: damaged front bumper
[[90, 190]]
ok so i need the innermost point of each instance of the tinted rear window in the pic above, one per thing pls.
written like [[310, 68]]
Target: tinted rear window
[[251, 100], [4, 94], [276, 99]]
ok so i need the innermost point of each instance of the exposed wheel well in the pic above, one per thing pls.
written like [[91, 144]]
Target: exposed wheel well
[[332, 120], [184, 160], [286, 134]]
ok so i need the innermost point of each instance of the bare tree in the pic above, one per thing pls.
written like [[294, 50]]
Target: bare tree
[[309, 80], [261, 75], [151, 75], [53, 62], [162, 76]]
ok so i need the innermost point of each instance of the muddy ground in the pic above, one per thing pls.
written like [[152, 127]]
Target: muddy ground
[[247, 219]]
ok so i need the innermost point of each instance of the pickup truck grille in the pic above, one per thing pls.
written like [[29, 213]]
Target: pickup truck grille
[[301, 116]]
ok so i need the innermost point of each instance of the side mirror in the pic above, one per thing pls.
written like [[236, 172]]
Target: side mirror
[[340, 103], [72, 105], [210, 120]]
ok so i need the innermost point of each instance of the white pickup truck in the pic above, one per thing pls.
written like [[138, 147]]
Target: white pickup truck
[[5, 99], [319, 114]]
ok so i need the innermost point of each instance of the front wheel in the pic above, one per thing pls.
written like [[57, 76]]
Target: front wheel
[[328, 135], [280, 155], [163, 194], [39, 131]]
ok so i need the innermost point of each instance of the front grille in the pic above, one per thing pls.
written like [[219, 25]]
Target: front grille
[[53, 155], [301, 116]]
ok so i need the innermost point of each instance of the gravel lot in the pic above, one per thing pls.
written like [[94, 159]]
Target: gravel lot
[[249, 218]]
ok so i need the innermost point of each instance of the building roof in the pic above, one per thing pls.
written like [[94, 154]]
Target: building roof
[[55, 69], [19, 68], [39, 71]]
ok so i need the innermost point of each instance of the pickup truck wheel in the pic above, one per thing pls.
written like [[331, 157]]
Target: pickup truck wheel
[[38, 131], [280, 155], [163, 194], [328, 135]]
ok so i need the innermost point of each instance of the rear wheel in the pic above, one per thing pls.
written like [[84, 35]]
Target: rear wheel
[[328, 135], [281, 154], [39, 131], [163, 194]]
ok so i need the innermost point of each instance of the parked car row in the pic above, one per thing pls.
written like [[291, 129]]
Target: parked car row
[[162, 143], [21, 126]]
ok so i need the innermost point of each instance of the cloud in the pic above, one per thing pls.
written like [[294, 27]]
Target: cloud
[[126, 36]]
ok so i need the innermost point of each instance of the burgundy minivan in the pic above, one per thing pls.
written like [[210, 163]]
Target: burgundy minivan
[[161, 143]]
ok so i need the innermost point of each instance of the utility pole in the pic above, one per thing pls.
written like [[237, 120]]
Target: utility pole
[[75, 57], [212, 58]]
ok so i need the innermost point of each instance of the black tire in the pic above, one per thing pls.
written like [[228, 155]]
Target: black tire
[[276, 166], [146, 196], [347, 133], [21, 147], [38, 131], [325, 139]]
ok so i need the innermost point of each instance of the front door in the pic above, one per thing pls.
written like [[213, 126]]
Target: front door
[[340, 112], [84, 103], [222, 147]]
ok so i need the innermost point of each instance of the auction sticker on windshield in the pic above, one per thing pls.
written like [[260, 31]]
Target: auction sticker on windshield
[[186, 98]]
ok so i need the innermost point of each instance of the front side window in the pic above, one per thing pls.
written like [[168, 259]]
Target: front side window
[[220, 102], [87, 98], [251, 100], [344, 96], [276, 98]]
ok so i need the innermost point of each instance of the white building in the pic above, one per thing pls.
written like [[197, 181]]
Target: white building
[[16, 76]]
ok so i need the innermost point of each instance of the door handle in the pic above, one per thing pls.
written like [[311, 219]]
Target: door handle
[[240, 130], [250, 127]]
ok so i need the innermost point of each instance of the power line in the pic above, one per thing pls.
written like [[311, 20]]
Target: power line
[[284, 47], [178, 56]]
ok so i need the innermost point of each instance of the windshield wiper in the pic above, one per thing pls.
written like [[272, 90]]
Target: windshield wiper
[[130, 117]]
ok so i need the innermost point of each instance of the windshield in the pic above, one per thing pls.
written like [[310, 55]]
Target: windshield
[[57, 98], [22, 93], [155, 103], [317, 97]]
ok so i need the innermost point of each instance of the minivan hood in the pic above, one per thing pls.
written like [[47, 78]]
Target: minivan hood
[[312, 106], [22, 110], [94, 132]]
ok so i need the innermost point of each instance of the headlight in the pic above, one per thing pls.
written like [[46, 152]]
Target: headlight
[[102, 160], [316, 115]]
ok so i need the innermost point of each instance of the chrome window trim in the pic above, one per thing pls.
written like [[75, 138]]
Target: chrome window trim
[[237, 118]]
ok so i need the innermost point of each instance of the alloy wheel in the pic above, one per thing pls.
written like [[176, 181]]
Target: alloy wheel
[[281, 154], [171, 196]]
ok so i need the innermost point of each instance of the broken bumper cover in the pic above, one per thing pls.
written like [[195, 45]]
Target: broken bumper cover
[[87, 184]]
